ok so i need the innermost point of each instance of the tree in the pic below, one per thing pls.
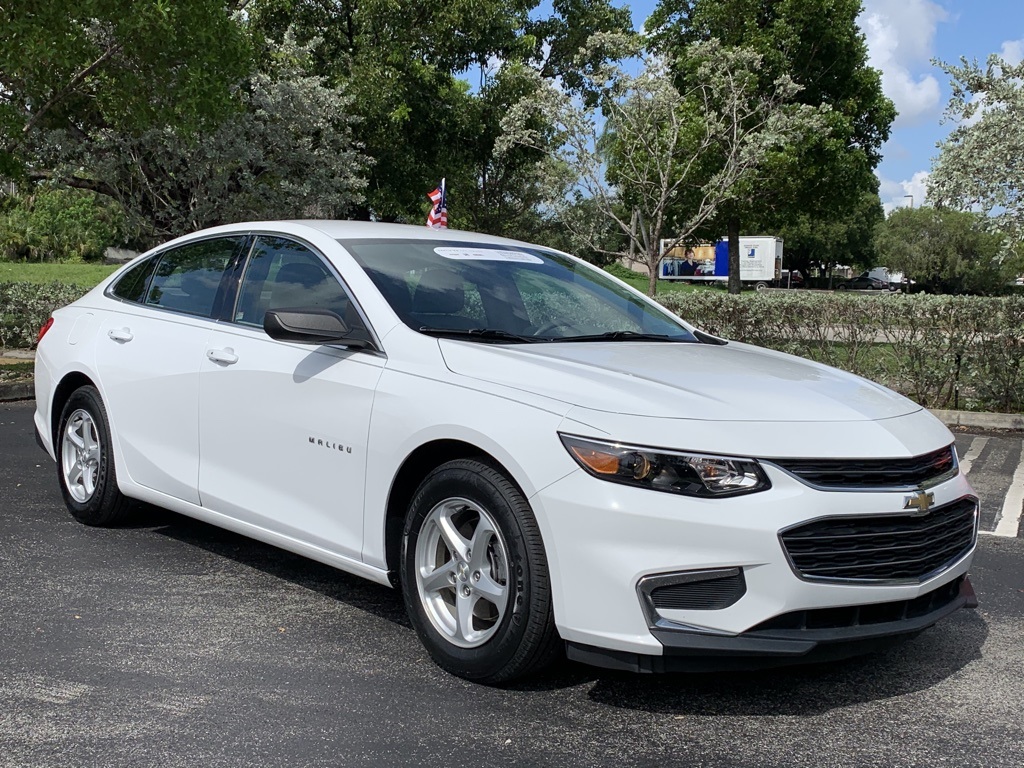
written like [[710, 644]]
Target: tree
[[818, 44], [288, 153], [647, 168], [981, 164], [947, 251], [126, 65], [821, 243], [406, 66]]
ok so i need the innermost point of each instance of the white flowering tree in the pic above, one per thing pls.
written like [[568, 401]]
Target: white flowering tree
[[657, 161], [981, 165]]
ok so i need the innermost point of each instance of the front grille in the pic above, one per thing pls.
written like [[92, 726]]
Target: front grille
[[866, 615], [883, 547], [708, 595], [872, 473]]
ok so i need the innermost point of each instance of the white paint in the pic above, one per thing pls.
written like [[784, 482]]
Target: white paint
[[977, 446], [1008, 523]]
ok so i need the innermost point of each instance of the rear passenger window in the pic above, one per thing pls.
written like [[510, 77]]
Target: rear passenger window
[[284, 274], [188, 278], [131, 286]]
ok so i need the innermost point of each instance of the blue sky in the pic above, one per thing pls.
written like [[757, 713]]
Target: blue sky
[[903, 37]]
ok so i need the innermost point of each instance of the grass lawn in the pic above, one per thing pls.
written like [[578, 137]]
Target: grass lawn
[[85, 275]]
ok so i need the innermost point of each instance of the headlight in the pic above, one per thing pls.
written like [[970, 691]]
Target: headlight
[[690, 474]]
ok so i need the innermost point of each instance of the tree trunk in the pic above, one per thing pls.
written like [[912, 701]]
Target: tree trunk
[[653, 262], [733, 225]]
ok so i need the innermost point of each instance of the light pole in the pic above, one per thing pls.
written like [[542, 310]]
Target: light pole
[[911, 200]]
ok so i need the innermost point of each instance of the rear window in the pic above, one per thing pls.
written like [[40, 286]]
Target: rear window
[[188, 278], [131, 286]]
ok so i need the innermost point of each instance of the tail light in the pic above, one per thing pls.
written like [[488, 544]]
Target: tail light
[[42, 331]]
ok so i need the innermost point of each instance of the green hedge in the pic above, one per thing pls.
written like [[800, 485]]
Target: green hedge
[[962, 352], [24, 307]]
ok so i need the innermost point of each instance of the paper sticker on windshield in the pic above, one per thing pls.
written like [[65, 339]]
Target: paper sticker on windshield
[[487, 254]]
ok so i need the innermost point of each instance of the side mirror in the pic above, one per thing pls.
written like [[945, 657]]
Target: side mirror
[[309, 326]]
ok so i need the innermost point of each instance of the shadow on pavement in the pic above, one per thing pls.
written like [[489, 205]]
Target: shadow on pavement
[[914, 665], [296, 569]]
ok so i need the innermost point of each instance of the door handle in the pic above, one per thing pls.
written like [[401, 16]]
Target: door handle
[[226, 356], [120, 334]]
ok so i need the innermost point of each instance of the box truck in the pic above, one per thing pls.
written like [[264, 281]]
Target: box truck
[[760, 261]]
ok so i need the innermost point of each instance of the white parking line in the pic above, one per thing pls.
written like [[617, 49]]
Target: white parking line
[[977, 446], [1008, 523]]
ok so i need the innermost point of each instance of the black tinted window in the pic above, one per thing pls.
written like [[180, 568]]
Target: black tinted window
[[131, 286], [284, 274], [188, 278]]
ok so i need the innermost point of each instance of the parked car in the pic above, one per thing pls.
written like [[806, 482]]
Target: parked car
[[862, 283], [540, 458]]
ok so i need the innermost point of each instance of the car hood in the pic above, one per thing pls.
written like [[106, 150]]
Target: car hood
[[734, 382]]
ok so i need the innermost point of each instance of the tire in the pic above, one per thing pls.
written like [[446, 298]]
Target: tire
[[840, 287], [85, 462], [761, 286], [484, 615]]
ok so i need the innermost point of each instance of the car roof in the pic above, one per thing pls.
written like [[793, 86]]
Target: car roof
[[349, 230], [345, 230]]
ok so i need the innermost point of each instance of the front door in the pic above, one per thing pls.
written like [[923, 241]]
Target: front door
[[283, 427]]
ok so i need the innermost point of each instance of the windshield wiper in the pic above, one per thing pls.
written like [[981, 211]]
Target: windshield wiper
[[484, 334], [624, 336]]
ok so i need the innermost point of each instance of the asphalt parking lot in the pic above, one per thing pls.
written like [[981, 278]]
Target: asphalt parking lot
[[172, 643]]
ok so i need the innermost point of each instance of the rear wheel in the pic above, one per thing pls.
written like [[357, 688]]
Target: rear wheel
[[474, 575], [85, 461]]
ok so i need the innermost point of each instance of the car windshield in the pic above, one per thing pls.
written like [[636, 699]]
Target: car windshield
[[508, 294]]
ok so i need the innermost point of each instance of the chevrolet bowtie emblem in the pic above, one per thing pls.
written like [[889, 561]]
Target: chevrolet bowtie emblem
[[920, 501]]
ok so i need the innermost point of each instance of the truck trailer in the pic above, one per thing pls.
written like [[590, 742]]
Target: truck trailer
[[760, 261]]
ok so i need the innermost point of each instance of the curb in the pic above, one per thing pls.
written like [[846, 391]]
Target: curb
[[19, 390], [979, 420]]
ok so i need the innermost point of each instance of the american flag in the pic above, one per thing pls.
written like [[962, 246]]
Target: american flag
[[438, 216]]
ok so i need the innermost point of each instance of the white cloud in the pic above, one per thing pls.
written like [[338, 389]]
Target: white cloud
[[900, 36], [1012, 52], [895, 194]]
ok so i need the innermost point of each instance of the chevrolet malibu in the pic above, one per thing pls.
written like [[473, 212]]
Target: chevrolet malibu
[[543, 460]]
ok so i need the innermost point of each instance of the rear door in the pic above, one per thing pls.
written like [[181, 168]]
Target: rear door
[[149, 353]]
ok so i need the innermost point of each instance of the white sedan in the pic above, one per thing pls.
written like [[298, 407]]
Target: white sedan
[[541, 458]]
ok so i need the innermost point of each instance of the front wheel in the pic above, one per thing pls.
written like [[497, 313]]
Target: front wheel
[[85, 461], [474, 575]]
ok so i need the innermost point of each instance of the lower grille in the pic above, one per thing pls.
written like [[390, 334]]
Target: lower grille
[[708, 595], [883, 547], [866, 615]]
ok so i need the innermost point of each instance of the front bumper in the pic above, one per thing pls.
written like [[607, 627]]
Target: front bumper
[[604, 540]]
